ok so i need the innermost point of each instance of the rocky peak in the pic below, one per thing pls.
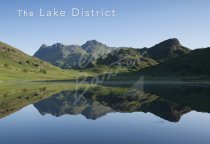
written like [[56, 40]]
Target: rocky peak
[[167, 49], [172, 42], [43, 46], [58, 46], [92, 45], [92, 42]]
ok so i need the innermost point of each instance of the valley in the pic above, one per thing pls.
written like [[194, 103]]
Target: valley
[[168, 60]]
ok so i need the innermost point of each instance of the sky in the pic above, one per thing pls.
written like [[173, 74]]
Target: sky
[[138, 23]]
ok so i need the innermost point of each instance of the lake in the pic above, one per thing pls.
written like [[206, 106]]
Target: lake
[[149, 113]]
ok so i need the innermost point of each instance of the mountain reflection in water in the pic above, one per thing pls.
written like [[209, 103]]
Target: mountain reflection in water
[[168, 101]]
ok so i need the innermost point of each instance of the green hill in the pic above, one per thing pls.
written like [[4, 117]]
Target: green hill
[[197, 62], [127, 57], [167, 50], [13, 58], [14, 64]]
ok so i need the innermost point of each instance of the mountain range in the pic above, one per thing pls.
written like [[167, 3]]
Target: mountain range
[[94, 52], [168, 57], [73, 56]]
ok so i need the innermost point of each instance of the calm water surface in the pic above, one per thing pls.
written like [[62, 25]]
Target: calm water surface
[[157, 114]]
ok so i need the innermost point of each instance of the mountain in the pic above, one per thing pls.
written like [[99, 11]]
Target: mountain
[[197, 62], [145, 57], [72, 56], [64, 56], [167, 49], [127, 57], [94, 53], [96, 49]]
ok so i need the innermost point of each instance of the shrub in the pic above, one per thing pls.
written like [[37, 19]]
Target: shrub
[[35, 94], [5, 95], [25, 90], [6, 65], [25, 70], [36, 65], [44, 71], [28, 62], [42, 89]]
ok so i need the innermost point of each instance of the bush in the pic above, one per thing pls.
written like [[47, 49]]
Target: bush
[[25, 90], [5, 95], [6, 65], [36, 65], [25, 70], [28, 62], [44, 71]]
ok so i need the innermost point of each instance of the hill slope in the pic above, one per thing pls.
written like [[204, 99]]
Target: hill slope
[[14, 58], [167, 49], [126, 57], [197, 62], [16, 65]]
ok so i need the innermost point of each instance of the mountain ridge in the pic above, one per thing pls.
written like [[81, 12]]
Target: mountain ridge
[[96, 52], [60, 55], [167, 49]]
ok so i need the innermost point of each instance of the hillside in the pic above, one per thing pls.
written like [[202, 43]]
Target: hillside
[[126, 57], [167, 50], [197, 62], [15, 64]]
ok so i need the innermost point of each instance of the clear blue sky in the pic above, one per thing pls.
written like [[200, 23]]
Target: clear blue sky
[[138, 23]]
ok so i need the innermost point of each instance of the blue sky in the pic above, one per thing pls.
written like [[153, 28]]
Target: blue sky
[[138, 23]]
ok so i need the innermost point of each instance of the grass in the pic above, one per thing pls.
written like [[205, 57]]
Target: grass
[[16, 65], [15, 74]]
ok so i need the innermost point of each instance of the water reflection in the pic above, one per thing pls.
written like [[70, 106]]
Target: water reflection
[[149, 113], [168, 101], [64, 103]]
